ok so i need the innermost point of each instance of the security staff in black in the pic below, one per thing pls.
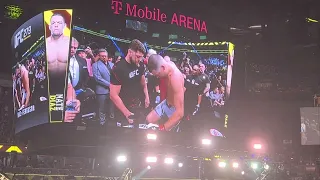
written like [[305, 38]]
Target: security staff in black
[[128, 85], [202, 81]]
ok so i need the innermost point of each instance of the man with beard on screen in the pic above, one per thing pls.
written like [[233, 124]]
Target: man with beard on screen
[[172, 108], [128, 84], [57, 46]]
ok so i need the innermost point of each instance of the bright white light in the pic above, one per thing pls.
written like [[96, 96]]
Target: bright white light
[[235, 165], [242, 172], [257, 146], [180, 165], [222, 164], [151, 159], [254, 165], [168, 160], [121, 158], [206, 141], [151, 136], [266, 166], [148, 167]]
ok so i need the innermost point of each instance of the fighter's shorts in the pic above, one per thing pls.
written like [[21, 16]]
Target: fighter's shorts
[[164, 110]]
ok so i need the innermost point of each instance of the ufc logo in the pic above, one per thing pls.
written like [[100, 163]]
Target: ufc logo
[[133, 73], [22, 35]]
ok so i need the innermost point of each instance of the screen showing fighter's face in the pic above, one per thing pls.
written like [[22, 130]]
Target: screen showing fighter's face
[[122, 77], [40, 52]]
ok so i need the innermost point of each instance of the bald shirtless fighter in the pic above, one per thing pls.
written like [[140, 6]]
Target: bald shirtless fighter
[[57, 46], [25, 90], [173, 106]]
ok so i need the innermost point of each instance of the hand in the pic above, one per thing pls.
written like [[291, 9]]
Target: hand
[[69, 116], [78, 104], [130, 120], [162, 127], [146, 102], [88, 51]]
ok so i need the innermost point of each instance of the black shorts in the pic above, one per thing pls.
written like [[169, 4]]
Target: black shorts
[[139, 111]]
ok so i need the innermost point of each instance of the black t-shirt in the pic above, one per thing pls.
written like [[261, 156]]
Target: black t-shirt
[[129, 77], [202, 80], [196, 83], [189, 82], [152, 81], [31, 75]]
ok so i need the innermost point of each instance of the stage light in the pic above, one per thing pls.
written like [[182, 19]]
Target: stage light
[[222, 164], [148, 167], [242, 172], [206, 44], [121, 158], [257, 146], [266, 167], [235, 165], [168, 160], [151, 136], [180, 165], [254, 165], [151, 159], [169, 42], [206, 141]]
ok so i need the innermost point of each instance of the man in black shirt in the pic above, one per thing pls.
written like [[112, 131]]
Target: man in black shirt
[[32, 80], [128, 82], [202, 82]]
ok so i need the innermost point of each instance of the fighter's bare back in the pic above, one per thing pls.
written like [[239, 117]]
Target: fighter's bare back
[[57, 55]]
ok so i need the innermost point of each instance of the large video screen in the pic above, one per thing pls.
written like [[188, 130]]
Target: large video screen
[[126, 79], [310, 125], [30, 92]]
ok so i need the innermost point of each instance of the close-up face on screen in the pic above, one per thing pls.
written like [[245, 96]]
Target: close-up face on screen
[[100, 77]]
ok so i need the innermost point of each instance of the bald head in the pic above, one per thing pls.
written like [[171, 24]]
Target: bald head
[[155, 62]]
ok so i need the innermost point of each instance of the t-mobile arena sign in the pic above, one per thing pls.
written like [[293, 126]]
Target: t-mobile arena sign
[[155, 14]]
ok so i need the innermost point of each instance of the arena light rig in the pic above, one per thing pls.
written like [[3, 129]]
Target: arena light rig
[[13, 11], [153, 46], [199, 44]]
